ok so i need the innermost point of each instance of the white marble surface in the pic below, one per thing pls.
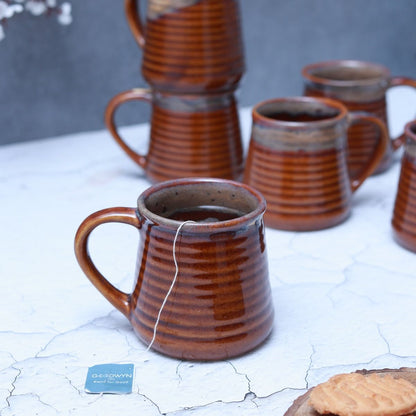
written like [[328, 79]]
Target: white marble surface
[[345, 298]]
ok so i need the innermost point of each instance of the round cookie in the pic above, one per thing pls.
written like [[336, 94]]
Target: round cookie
[[302, 407], [358, 395]]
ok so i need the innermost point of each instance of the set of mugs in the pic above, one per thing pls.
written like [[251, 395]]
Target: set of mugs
[[309, 154], [202, 252], [221, 305]]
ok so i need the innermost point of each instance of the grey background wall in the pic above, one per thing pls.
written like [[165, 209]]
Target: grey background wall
[[57, 79]]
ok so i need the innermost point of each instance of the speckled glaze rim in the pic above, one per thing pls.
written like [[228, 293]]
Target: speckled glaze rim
[[228, 225], [259, 118], [191, 102], [308, 73]]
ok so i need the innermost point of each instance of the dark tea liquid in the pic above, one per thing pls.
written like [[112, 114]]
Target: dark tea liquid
[[205, 213], [298, 117]]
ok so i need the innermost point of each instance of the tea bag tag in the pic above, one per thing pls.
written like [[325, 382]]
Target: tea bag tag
[[110, 378]]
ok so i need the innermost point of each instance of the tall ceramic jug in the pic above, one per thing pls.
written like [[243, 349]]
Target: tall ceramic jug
[[189, 46]]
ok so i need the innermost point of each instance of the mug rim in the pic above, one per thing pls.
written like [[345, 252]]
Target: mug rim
[[351, 63], [329, 102], [143, 211]]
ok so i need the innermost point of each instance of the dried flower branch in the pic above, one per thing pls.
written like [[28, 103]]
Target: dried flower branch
[[9, 8]]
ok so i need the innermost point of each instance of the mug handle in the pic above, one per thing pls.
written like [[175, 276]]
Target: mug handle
[[116, 297], [356, 117], [139, 94], [134, 21], [400, 82]]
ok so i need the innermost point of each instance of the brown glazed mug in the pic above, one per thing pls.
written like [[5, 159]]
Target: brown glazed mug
[[404, 212], [297, 159], [360, 86], [221, 304], [189, 46], [190, 136]]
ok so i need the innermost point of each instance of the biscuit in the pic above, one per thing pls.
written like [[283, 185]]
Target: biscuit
[[358, 395]]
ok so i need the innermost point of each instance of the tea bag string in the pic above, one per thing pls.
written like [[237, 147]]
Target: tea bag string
[[172, 284]]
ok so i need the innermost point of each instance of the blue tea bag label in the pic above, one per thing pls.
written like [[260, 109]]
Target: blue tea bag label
[[110, 378]]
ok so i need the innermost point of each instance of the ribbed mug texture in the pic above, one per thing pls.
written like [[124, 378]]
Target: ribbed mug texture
[[302, 172], [190, 46], [404, 212], [362, 137], [190, 135], [221, 304], [360, 86], [297, 159], [194, 136]]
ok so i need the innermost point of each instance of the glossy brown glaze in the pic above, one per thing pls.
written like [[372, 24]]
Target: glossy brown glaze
[[191, 136], [189, 46], [299, 162], [301, 406], [404, 213], [360, 86], [221, 303]]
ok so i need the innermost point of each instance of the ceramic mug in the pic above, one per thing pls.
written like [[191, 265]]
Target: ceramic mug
[[191, 135], [404, 212], [221, 304], [189, 46], [297, 159], [360, 86]]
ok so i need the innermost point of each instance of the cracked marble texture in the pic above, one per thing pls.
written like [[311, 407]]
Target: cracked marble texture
[[344, 297]]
